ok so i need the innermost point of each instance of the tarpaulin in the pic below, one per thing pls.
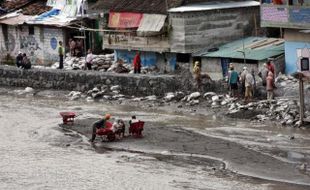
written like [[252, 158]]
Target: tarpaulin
[[124, 20], [152, 23]]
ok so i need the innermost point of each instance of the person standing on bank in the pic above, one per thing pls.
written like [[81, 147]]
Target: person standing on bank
[[233, 82], [137, 63], [269, 86], [61, 55], [197, 74], [89, 59], [263, 74]]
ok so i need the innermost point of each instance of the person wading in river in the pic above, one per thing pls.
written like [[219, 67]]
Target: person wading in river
[[99, 124]]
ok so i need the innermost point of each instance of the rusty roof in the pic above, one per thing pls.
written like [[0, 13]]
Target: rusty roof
[[13, 5], [29, 7], [140, 6], [36, 8]]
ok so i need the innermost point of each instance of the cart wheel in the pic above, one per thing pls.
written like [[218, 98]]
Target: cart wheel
[[140, 132]]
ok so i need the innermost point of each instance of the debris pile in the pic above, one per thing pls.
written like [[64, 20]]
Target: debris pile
[[100, 62], [284, 110], [104, 63], [98, 93]]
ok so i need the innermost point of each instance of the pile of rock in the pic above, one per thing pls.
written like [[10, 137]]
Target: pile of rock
[[98, 93], [284, 111], [100, 62]]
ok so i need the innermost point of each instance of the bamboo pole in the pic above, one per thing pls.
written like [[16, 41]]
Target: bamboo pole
[[301, 99]]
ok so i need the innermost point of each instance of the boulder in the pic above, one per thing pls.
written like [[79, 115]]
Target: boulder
[[169, 96], [29, 90], [115, 88], [193, 96], [209, 94]]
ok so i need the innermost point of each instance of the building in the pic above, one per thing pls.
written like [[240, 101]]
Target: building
[[251, 52], [35, 27], [293, 20], [168, 32]]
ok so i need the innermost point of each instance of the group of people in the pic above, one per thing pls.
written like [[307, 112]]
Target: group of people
[[246, 80], [22, 61], [118, 126], [76, 47]]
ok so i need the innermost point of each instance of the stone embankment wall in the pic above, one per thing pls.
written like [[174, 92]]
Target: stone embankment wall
[[130, 84]]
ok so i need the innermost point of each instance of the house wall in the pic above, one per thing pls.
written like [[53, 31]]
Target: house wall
[[194, 31], [294, 40], [50, 43], [32, 45], [291, 55], [164, 62], [213, 66], [9, 47], [41, 47]]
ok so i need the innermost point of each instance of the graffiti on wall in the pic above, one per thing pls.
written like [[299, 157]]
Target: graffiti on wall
[[29, 43], [8, 45], [30, 46]]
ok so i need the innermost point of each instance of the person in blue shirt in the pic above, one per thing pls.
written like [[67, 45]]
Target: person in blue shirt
[[233, 80]]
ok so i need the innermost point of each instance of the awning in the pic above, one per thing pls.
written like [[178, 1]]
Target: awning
[[124, 20], [213, 6], [252, 48], [152, 23]]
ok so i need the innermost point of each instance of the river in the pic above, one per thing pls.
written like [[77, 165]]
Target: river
[[37, 154]]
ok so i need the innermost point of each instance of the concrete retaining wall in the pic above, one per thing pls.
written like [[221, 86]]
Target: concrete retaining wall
[[83, 80], [130, 84]]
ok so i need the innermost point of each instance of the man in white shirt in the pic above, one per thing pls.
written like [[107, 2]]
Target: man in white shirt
[[249, 83]]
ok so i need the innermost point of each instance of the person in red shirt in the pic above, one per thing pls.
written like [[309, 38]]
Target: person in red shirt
[[270, 67], [137, 63], [277, 2]]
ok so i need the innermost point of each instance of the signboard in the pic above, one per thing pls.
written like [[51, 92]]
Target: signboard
[[124, 20], [300, 15], [274, 14]]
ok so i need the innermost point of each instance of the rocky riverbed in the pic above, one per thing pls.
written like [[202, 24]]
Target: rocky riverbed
[[284, 109]]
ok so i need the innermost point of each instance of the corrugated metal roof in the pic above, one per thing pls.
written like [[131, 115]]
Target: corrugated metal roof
[[137, 6], [152, 23], [214, 6], [255, 48], [15, 19]]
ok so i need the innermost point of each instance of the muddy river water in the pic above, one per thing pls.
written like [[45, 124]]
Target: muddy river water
[[177, 151]]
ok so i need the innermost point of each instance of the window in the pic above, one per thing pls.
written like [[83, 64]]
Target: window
[[31, 30], [183, 58], [304, 64]]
